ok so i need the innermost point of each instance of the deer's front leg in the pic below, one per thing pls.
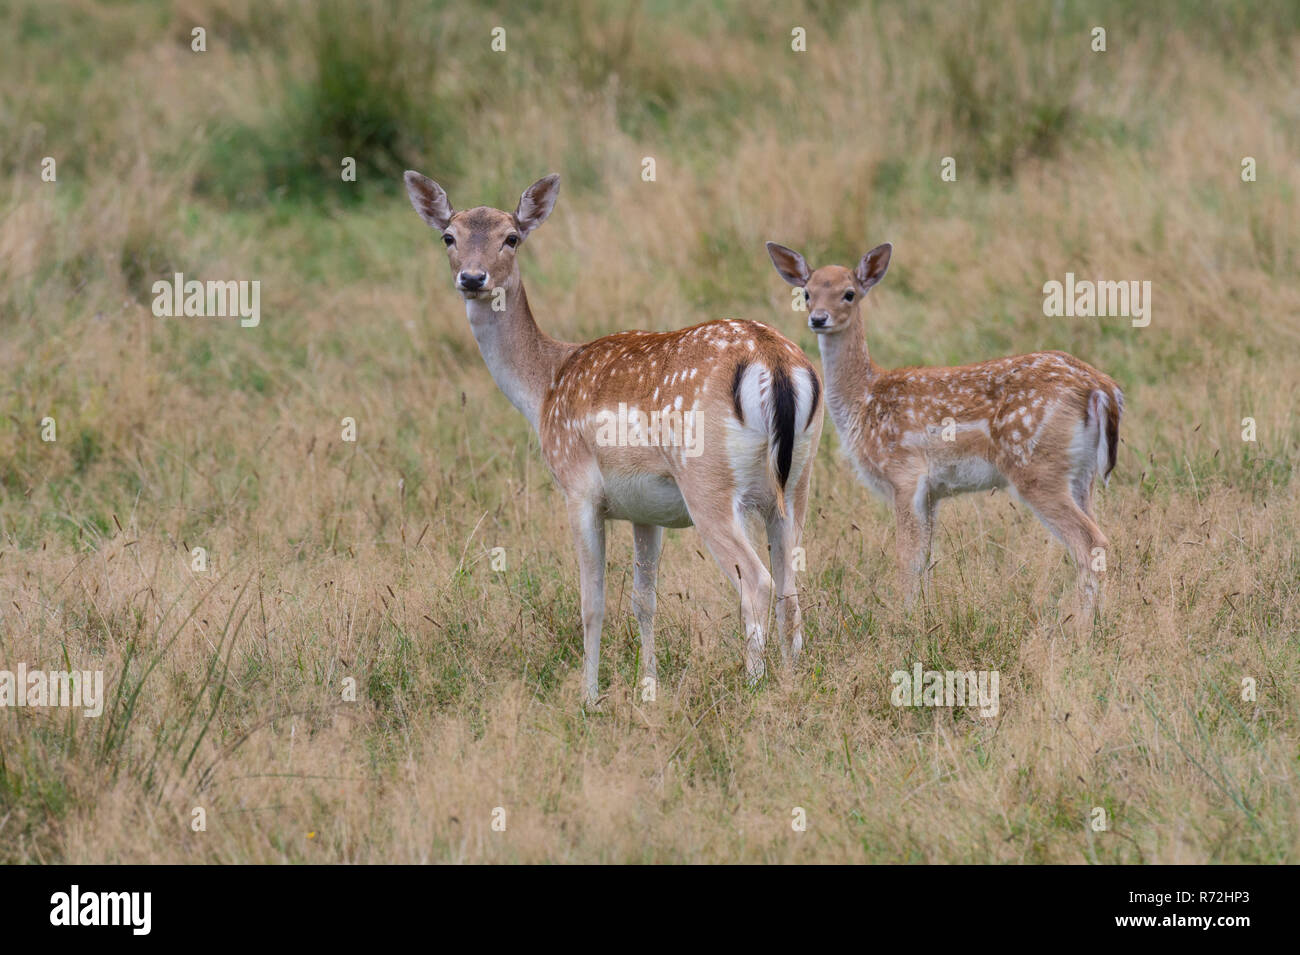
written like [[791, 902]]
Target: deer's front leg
[[914, 517], [647, 543], [588, 525]]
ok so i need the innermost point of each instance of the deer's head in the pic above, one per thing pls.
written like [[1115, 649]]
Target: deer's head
[[833, 293], [482, 242]]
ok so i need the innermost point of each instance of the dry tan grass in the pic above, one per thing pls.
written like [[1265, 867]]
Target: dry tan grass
[[370, 560]]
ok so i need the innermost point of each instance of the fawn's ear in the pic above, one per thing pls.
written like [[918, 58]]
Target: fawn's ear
[[536, 203], [429, 200], [873, 266], [789, 264]]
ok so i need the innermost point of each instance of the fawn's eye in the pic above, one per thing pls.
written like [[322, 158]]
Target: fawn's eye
[[848, 296], [512, 240], [806, 296], [448, 239]]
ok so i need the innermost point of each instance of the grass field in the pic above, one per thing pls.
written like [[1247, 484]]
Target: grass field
[[370, 561]]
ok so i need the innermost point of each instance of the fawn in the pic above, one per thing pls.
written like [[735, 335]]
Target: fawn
[[1045, 424]]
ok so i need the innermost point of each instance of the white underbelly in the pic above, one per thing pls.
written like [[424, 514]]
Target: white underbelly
[[962, 475], [645, 499]]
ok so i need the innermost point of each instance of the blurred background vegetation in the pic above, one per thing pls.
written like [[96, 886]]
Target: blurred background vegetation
[[172, 160]]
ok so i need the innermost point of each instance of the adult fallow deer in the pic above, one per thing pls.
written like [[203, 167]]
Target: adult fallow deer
[[702, 426]]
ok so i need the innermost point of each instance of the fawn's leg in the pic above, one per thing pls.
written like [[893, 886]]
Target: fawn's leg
[[1057, 508], [914, 513]]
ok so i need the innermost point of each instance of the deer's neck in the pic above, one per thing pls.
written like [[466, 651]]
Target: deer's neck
[[849, 373], [522, 358]]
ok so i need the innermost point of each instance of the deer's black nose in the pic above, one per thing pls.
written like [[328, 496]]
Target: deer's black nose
[[818, 319], [471, 281]]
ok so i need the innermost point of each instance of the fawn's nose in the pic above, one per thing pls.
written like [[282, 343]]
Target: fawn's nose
[[819, 318], [471, 281]]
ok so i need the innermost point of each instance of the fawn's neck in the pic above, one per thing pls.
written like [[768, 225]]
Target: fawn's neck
[[849, 373], [522, 358]]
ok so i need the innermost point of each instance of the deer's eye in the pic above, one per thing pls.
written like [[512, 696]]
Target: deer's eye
[[806, 296], [848, 296], [448, 239], [512, 240]]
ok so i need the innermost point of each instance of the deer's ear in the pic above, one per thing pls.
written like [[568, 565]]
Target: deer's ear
[[429, 200], [873, 266], [789, 265], [536, 203]]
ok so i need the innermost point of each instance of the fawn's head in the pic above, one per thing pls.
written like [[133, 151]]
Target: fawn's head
[[833, 293], [481, 242]]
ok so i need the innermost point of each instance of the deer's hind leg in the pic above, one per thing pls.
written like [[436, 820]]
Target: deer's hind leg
[[1055, 504], [724, 535], [785, 537]]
